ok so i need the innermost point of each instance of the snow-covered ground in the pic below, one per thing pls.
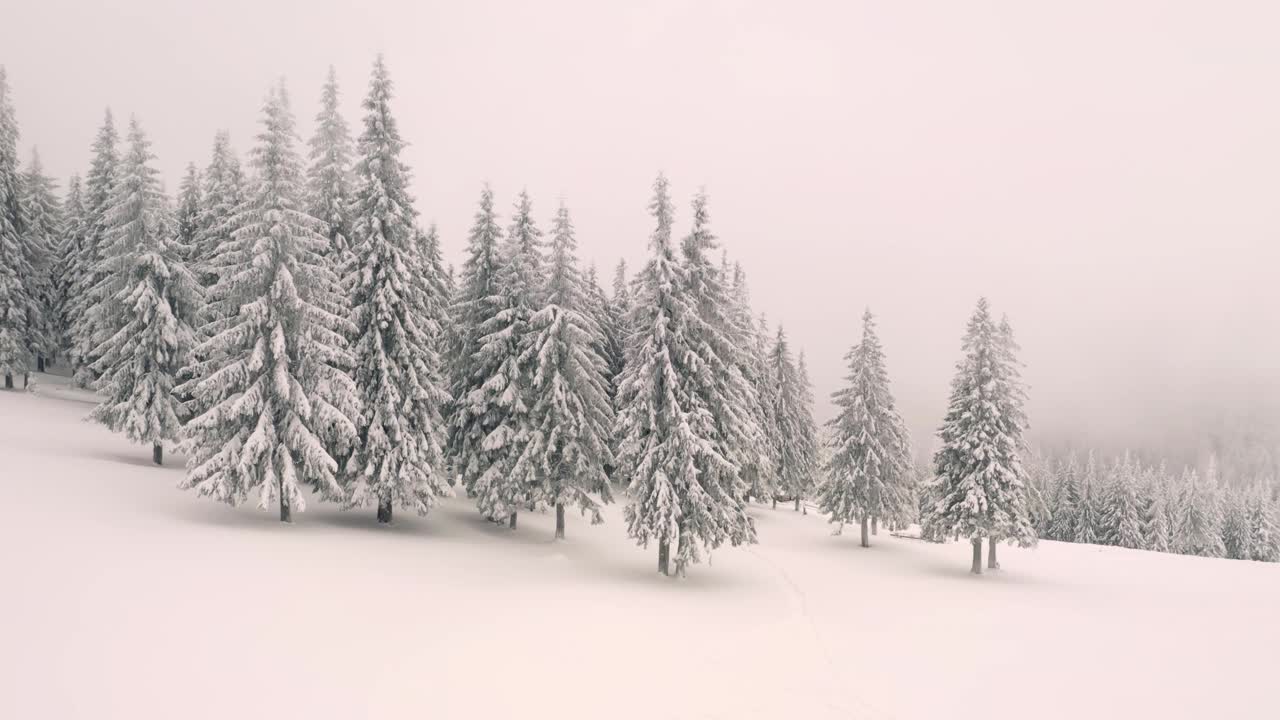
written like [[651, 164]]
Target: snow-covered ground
[[127, 598]]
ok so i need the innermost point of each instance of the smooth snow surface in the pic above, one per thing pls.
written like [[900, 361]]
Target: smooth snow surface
[[127, 598]]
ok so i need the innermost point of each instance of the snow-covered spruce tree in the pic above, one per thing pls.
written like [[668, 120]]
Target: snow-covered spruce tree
[[157, 301], [19, 287], [274, 393], [329, 181], [1155, 514], [504, 485], [1264, 528], [608, 344], [441, 285], [870, 469], [224, 189], [980, 480], [1201, 522], [69, 265], [716, 339], [397, 457], [1066, 501], [475, 303], [565, 450], [42, 220], [90, 303], [187, 214], [759, 470], [619, 310], [794, 471], [1042, 488], [1237, 541], [1019, 529], [1121, 509], [809, 450], [15, 269], [1088, 511], [665, 428]]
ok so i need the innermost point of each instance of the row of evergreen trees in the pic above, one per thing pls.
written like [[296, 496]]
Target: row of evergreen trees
[[1148, 507], [294, 326]]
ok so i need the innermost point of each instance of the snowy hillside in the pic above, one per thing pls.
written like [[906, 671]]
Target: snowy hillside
[[127, 598]]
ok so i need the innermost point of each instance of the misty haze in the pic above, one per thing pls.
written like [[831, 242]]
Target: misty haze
[[657, 360]]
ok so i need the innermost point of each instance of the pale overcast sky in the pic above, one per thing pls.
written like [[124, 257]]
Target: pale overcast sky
[[1106, 171]]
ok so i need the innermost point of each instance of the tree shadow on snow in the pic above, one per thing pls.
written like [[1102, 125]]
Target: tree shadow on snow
[[141, 457], [319, 517], [1008, 576]]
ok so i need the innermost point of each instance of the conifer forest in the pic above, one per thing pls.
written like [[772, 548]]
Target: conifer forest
[[308, 426]]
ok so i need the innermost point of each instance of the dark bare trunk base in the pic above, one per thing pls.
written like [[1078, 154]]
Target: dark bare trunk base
[[8, 382], [992, 564], [157, 453], [384, 512], [775, 503], [664, 551], [286, 513], [875, 526], [797, 504], [511, 523], [559, 521], [40, 363], [977, 556]]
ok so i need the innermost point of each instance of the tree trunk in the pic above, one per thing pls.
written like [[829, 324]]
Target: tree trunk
[[384, 511], [664, 550], [286, 513], [991, 556], [775, 503], [8, 382], [157, 453], [866, 539], [39, 363], [875, 526], [560, 521], [512, 522], [797, 504], [977, 556]]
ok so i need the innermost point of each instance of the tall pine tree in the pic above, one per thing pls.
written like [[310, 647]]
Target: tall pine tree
[[665, 428], [187, 215], [870, 470], [795, 467], [275, 392], [566, 449], [475, 304], [15, 296], [1200, 529], [503, 485], [91, 303], [397, 458], [980, 481], [718, 342], [223, 190], [69, 265], [42, 220], [157, 302], [809, 444], [329, 182]]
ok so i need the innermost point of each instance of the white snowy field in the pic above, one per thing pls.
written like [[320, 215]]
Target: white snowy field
[[127, 598]]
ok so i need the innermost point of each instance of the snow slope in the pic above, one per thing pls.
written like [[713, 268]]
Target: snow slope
[[127, 598]]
